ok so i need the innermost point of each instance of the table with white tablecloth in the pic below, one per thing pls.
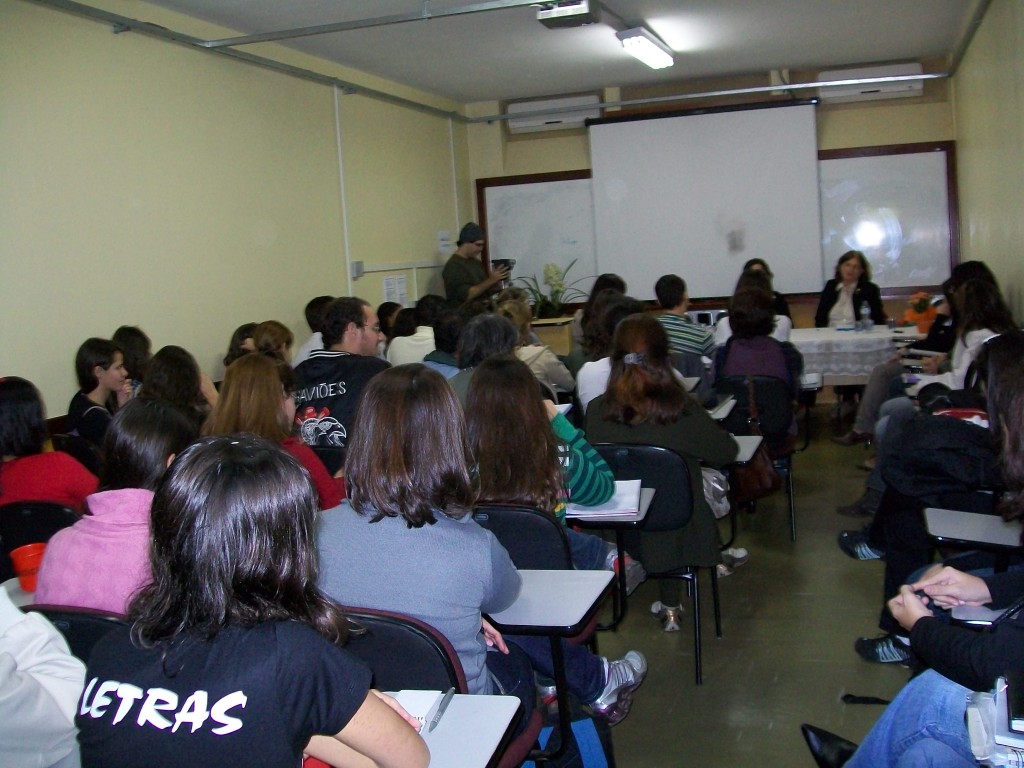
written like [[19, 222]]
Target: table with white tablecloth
[[848, 357]]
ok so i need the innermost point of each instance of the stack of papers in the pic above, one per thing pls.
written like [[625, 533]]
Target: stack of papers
[[626, 501]]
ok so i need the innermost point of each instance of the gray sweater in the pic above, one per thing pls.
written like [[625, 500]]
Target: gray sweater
[[445, 575]]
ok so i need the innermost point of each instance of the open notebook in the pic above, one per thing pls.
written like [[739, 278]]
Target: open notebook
[[423, 705], [626, 501]]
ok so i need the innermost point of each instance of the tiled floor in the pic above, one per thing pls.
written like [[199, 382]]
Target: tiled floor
[[790, 617]]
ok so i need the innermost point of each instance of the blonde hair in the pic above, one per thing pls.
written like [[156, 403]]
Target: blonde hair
[[520, 314]]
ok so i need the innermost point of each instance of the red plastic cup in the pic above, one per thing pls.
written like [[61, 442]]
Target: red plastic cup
[[26, 562]]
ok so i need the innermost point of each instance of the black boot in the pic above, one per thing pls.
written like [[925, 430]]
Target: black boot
[[828, 750]]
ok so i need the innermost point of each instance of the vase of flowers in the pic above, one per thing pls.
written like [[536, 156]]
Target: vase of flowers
[[552, 303], [920, 311]]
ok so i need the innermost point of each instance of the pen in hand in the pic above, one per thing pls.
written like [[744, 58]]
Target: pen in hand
[[449, 694]]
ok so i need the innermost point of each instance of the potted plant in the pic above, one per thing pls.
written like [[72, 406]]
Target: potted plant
[[552, 303]]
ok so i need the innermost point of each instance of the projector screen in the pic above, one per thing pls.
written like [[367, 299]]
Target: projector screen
[[699, 194]]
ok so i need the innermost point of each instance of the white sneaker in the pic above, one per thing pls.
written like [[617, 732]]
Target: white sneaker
[[622, 678], [734, 557]]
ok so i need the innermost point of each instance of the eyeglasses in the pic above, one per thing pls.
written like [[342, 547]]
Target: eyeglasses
[[374, 328]]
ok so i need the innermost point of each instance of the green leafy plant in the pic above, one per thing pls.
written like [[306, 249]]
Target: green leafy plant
[[552, 303]]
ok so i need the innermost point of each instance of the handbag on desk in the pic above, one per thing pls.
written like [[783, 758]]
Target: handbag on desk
[[757, 478]]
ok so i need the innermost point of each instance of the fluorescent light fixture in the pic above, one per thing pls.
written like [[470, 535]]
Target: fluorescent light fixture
[[643, 45]]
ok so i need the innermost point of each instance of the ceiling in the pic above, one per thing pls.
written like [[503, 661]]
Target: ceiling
[[507, 54]]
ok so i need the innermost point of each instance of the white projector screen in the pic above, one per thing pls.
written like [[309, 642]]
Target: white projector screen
[[699, 194]]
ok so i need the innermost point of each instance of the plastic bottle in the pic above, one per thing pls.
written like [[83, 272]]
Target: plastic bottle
[[866, 323]]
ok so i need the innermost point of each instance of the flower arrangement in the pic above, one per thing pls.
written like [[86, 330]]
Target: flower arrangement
[[920, 311], [552, 303]]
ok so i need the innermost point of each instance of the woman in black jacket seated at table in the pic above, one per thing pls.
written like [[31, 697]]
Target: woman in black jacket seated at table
[[925, 725], [845, 294]]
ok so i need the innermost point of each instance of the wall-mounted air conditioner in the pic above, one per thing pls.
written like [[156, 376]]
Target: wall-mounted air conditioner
[[540, 115], [868, 91]]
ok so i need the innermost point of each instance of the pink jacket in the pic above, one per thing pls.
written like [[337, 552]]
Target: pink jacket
[[101, 560]]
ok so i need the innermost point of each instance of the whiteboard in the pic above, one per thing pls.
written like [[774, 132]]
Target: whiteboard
[[896, 208], [544, 222]]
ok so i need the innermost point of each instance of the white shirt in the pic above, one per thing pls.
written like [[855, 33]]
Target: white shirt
[[592, 380], [313, 343], [783, 325], [40, 684], [411, 349]]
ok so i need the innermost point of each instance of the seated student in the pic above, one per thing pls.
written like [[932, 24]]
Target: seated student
[[386, 313], [315, 319], [232, 657], [581, 318], [592, 379], [137, 350], [545, 365], [528, 453], [241, 343], [258, 396], [925, 723], [273, 338], [40, 684], [646, 404], [779, 304], [415, 347], [332, 379], [26, 473], [933, 460], [484, 336], [684, 335], [447, 330], [751, 350], [103, 387], [175, 378], [406, 541], [103, 559], [755, 279]]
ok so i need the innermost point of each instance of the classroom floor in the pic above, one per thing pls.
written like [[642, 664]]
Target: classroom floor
[[790, 617]]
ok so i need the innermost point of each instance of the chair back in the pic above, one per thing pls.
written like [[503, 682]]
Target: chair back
[[662, 469], [691, 365], [774, 407], [81, 627], [404, 653], [535, 540], [80, 449], [32, 522]]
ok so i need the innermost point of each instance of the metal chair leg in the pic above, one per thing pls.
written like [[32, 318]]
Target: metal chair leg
[[715, 601], [695, 595]]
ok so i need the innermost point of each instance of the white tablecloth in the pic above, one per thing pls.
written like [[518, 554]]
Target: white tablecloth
[[836, 353]]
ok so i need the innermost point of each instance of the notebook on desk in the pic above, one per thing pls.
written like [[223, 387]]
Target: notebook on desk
[[625, 501]]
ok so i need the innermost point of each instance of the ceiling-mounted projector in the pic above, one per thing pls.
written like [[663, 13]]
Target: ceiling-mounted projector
[[571, 13]]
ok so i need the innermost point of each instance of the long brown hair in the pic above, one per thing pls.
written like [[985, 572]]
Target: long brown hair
[[981, 306], [251, 400], [407, 454], [517, 453], [643, 386]]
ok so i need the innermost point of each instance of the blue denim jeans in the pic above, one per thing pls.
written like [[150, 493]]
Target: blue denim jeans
[[589, 552], [584, 671], [923, 727]]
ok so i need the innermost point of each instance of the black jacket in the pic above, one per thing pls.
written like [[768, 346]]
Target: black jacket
[[866, 291]]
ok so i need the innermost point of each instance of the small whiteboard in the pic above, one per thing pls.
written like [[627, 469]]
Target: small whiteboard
[[540, 219]]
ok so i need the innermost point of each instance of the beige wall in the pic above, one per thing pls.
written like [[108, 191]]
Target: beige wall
[[989, 109], [147, 183]]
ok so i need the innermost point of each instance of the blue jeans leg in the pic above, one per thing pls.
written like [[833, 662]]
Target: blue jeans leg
[[924, 726], [589, 552], [512, 675], [584, 672]]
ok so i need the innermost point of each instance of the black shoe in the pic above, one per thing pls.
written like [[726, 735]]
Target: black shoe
[[855, 544], [883, 650], [865, 506], [827, 749]]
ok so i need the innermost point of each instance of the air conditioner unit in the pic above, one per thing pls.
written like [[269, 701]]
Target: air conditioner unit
[[869, 91], [568, 13], [543, 119]]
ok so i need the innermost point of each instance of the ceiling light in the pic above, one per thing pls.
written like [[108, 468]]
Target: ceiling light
[[642, 44]]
